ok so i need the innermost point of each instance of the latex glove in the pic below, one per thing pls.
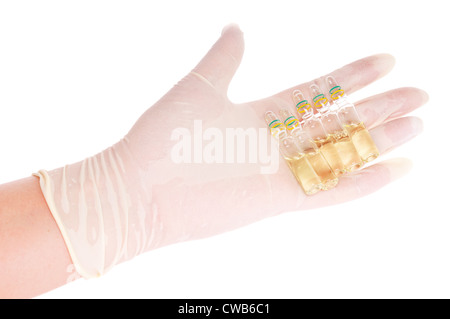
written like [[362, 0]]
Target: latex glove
[[135, 196]]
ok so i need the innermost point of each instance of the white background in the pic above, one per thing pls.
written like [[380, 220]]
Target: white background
[[75, 75]]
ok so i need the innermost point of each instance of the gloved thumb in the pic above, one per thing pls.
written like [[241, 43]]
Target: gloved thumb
[[221, 62]]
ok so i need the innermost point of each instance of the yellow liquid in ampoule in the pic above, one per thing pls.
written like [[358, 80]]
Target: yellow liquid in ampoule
[[304, 173], [347, 151], [363, 141], [322, 168], [331, 154]]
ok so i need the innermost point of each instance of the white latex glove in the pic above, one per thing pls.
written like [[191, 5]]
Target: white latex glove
[[134, 197]]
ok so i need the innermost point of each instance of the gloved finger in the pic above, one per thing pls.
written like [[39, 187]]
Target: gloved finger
[[390, 135], [351, 77], [219, 65], [390, 105], [360, 183]]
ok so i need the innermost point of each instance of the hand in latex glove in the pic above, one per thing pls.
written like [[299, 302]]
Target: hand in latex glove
[[133, 197]]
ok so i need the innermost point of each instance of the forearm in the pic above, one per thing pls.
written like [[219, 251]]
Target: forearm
[[33, 256]]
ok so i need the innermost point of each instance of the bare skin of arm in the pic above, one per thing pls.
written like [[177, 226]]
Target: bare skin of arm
[[33, 256]]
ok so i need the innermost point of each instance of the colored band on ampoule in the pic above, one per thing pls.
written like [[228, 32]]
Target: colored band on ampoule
[[336, 92], [275, 123], [303, 106], [320, 100], [291, 122]]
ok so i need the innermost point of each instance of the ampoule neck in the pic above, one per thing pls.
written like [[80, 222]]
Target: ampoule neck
[[343, 101], [282, 135], [324, 110], [296, 131], [307, 115], [347, 112]]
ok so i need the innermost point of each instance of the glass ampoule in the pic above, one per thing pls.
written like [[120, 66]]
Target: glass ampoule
[[297, 161], [313, 125], [351, 122], [334, 128], [310, 150]]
